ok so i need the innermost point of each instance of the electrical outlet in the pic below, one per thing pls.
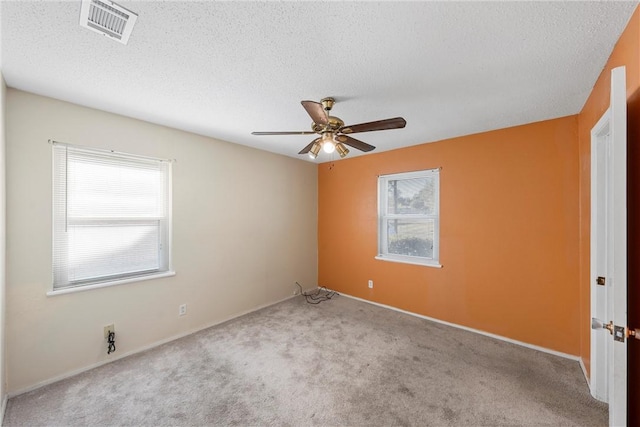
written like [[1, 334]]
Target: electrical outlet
[[370, 284], [109, 328], [182, 310]]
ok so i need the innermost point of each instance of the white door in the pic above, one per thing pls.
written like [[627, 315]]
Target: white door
[[609, 253]]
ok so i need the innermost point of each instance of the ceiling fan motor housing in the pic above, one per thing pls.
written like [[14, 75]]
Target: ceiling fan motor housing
[[333, 125]]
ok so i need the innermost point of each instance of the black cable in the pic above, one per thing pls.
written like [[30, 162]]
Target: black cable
[[317, 297], [111, 340]]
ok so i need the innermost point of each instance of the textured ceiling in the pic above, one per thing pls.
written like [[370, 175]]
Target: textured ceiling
[[224, 69]]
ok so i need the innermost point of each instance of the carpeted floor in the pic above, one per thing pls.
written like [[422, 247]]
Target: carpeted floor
[[342, 362]]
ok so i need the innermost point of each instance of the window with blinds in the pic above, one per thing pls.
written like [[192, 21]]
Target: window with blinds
[[111, 217], [409, 217]]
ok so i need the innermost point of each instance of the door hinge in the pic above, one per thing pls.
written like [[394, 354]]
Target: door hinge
[[600, 281]]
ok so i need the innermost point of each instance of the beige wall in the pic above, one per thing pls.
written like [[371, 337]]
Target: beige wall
[[244, 230], [3, 378]]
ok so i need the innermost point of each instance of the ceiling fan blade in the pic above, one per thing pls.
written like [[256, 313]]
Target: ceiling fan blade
[[315, 110], [352, 142], [306, 149], [395, 123], [302, 132]]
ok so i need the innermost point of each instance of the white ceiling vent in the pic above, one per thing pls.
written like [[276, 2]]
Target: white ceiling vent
[[107, 18]]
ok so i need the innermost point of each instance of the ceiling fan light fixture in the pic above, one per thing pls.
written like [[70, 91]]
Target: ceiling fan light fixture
[[315, 149], [342, 150], [328, 145]]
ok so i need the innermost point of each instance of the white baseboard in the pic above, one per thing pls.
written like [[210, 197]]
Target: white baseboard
[[132, 352], [477, 331], [584, 372], [3, 409]]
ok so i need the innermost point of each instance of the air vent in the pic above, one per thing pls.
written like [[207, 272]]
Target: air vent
[[107, 18]]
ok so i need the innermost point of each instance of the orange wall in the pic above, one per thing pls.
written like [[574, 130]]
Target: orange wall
[[627, 53], [508, 241]]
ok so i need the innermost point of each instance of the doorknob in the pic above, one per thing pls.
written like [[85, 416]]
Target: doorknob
[[619, 332], [597, 324]]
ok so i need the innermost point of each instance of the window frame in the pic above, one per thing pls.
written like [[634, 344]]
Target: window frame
[[384, 217], [60, 196]]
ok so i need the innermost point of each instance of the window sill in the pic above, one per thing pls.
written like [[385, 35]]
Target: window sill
[[111, 283], [426, 263]]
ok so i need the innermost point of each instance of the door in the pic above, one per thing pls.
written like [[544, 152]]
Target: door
[[609, 253]]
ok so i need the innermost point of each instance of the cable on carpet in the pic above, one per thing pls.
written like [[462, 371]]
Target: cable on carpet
[[318, 296]]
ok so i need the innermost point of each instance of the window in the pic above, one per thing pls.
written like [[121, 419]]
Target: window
[[111, 217], [408, 217]]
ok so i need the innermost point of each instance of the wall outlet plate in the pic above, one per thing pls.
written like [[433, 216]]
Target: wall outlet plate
[[182, 309], [370, 284], [109, 328]]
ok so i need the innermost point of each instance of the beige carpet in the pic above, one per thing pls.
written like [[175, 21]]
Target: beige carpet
[[342, 362]]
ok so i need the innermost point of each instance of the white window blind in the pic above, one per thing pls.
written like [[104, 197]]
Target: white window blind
[[111, 216], [409, 218]]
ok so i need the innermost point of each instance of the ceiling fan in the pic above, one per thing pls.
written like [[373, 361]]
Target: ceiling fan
[[334, 135]]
